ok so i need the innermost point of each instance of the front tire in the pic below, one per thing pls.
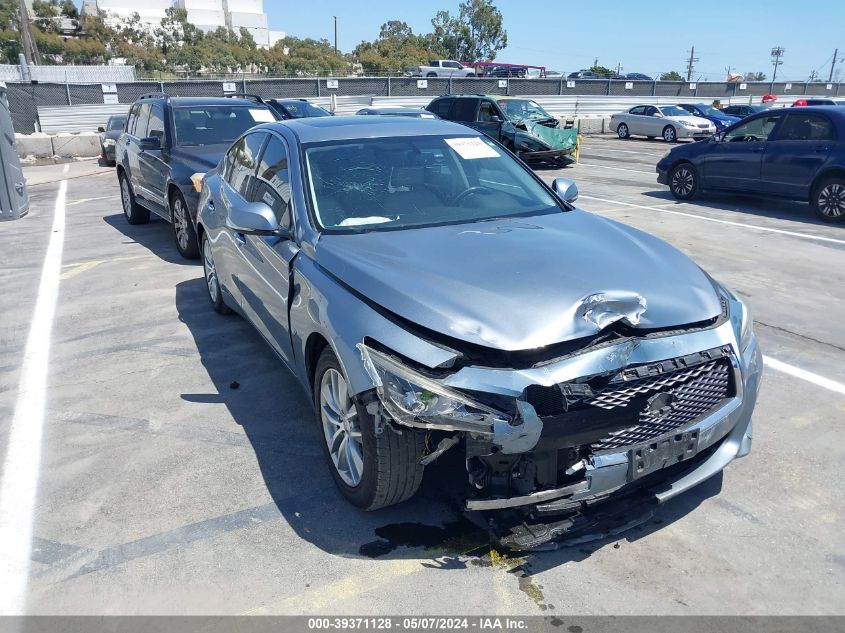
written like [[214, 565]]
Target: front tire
[[134, 212], [431, 75], [622, 131], [371, 470], [183, 227], [829, 200], [670, 135], [212, 280], [684, 181]]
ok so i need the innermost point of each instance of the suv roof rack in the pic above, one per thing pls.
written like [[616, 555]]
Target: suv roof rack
[[154, 95], [244, 95]]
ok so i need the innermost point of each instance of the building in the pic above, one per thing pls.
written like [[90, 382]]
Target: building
[[151, 12], [249, 15], [206, 15]]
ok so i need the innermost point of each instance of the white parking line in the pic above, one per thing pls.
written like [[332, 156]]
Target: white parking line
[[19, 486], [633, 171], [588, 148], [803, 374], [755, 227]]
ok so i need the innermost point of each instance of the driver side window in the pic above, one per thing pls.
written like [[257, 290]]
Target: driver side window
[[486, 112], [650, 111], [754, 131]]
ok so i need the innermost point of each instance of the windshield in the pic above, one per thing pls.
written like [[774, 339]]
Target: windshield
[[673, 111], [709, 110], [116, 123], [212, 125], [400, 183], [303, 109], [516, 109]]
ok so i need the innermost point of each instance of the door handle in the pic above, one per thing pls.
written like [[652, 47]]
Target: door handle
[[822, 148]]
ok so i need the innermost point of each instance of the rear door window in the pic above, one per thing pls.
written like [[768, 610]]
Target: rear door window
[[243, 161], [441, 107], [638, 110], [155, 126], [133, 116], [464, 110], [755, 130], [806, 127]]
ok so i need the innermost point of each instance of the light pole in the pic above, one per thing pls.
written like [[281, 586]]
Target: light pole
[[335, 34]]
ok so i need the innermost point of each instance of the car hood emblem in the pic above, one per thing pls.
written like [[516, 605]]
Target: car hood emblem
[[660, 405]]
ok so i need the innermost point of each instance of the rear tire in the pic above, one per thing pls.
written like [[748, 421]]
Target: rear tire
[[431, 75], [829, 200], [385, 469], [684, 182], [622, 131], [134, 212], [183, 227], [670, 135]]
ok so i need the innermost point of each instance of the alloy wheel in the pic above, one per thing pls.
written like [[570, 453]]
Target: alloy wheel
[[669, 134], [180, 223], [341, 427], [125, 196], [683, 182], [832, 200], [210, 271], [622, 131]]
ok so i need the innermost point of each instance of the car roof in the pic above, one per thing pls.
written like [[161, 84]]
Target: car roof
[[395, 110], [209, 101], [338, 128]]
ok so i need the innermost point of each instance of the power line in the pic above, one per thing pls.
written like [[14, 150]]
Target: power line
[[777, 53]]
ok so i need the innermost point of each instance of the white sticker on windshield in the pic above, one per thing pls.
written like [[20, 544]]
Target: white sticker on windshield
[[373, 219], [470, 148], [261, 115]]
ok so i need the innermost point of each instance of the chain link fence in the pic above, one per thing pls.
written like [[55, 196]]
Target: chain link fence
[[26, 98]]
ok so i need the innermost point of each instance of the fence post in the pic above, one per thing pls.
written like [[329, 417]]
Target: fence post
[[243, 82], [654, 88], [560, 88], [161, 86], [67, 90], [318, 87], [450, 84], [388, 85], [507, 86], [608, 87]]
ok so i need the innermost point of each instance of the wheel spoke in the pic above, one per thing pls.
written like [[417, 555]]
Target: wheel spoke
[[355, 460]]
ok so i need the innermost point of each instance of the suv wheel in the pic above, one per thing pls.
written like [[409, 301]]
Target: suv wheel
[[183, 227], [371, 470], [683, 181], [134, 212], [829, 200]]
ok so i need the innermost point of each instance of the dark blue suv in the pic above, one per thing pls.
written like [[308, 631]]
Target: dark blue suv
[[794, 153], [168, 145]]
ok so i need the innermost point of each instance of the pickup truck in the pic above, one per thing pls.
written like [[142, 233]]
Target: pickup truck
[[443, 68]]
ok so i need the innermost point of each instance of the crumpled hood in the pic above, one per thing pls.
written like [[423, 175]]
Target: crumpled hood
[[523, 283], [201, 158]]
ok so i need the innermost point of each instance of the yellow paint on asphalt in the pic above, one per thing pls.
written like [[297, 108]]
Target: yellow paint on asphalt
[[83, 200], [73, 270]]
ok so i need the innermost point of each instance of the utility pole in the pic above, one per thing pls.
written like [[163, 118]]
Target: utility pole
[[777, 53], [619, 68], [833, 65], [813, 76], [30, 48], [691, 63], [335, 34]]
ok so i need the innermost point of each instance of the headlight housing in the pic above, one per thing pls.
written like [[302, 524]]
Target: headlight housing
[[416, 400], [740, 317]]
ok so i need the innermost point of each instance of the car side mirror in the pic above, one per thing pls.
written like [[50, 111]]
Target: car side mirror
[[565, 189], [150, 143], [495, 119], [255, 218], [657, 115], [101, 129]]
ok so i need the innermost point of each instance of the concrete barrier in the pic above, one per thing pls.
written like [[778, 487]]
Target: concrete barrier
[[76, 145], [36, 145]]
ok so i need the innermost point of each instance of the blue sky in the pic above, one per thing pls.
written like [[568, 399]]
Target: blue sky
[[653, 37]]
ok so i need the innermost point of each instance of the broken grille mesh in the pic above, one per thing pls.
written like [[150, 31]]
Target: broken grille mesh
[[694, 392]]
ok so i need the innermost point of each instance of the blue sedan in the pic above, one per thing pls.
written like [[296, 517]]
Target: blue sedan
[[794, 153], [717, 117]]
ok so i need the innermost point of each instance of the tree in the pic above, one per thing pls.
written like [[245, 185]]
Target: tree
[[476, 34], [601, 70], [395, 49], [671, 76], [758, 76]]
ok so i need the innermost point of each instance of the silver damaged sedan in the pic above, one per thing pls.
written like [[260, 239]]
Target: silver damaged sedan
[[432, 294]]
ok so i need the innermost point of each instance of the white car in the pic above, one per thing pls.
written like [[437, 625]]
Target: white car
[[669, 121]]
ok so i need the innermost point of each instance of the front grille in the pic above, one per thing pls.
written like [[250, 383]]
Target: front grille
[[704, 125], [691, 396], [638, 404]]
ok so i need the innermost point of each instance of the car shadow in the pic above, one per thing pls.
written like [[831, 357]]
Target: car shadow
[[157, 237], [275, 413], [774, 208]]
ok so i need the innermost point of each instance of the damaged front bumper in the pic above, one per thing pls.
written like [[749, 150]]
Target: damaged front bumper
[[627, 410]]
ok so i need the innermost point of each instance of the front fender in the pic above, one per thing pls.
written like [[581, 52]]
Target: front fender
[[323, 305]]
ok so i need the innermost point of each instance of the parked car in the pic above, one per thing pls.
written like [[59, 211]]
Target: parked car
[[296, 108], [796, 153], [585, 74], [109, 135], [800, 103], [636, 77], [717, 117], [506, 71], [669, 122], [168, 143], [521, 125], [431, 293], [443, 68], [417, 113], [744, 110]]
